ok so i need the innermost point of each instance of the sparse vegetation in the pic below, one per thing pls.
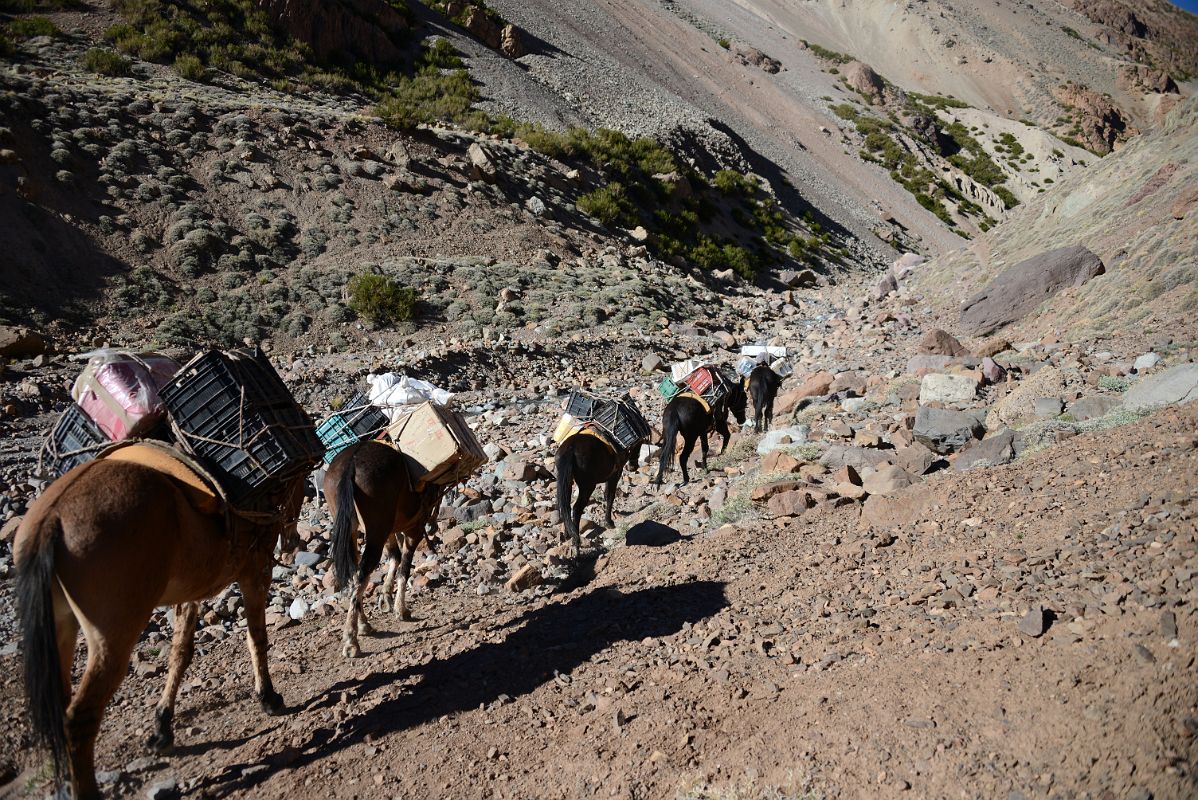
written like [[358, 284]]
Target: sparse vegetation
[[826, 54], [28, 27]]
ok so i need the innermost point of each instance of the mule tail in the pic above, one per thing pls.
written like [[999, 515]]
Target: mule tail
[[669, 439], [345, 542], [44, 688], [564, 463]]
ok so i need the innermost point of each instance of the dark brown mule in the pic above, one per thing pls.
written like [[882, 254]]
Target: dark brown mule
[[686, 415], [369, 483], [587, 460], [106, 544]]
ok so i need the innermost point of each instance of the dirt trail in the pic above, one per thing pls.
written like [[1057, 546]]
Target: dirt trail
[[834, 656]]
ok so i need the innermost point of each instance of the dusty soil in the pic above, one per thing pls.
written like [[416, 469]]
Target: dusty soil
[[847, 655]]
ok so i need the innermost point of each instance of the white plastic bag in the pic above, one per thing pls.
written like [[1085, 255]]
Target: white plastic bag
[[745, 366], [392, 393], [754, 350]]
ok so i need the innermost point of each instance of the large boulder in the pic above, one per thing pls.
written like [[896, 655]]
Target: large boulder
[[943, 431], [989, 452], [1172, 387], [371, 30], [937, 342], [1019, 290], [862, 79], [1019, 407], [944, 388], [20, 343]]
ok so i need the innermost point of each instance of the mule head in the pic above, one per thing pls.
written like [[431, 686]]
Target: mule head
[[738, 401]]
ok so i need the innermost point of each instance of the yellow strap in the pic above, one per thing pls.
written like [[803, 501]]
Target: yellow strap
[[591, 432], [706, 405]]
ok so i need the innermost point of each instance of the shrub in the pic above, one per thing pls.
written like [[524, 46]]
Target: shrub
[[190, 67], [731, 182], [28, 27], [106, 62], [608, 204], [724, 43], [380, 299]]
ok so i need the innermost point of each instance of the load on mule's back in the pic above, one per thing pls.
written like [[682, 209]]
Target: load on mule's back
[[696, 406], [393, 487], [145, 524], [596, 437]]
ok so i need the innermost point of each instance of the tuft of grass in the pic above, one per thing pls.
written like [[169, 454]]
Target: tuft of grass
[[106, 62], [1114, 383]]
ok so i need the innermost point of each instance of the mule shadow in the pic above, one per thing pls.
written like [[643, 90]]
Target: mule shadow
[[652, 534], [552, 641]]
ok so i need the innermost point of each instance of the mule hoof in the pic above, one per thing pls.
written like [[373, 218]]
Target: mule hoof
[[351, 650], [161, 743], [272, 702], [384, 603], [365, 629]]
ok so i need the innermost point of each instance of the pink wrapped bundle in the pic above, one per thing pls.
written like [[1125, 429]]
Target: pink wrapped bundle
[[119, 391]]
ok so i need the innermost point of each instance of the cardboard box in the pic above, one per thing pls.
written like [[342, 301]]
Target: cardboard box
[[439, 445]]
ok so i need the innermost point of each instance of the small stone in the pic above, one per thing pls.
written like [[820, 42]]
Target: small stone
[[524, 578], [1048, 407], [1034, 622], [1168, 625], [1145, 654], [163, 790], [306, 559], [298, 608], [1146, 362]]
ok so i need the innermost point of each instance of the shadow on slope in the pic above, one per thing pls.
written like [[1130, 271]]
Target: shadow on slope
[[552, 640]]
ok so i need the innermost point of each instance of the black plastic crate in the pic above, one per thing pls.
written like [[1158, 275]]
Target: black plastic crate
[[364, 419], [233, 411], [582, 406], [623, 421], [73, 440]]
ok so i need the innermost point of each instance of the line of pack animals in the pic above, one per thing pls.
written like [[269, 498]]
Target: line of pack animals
[[175, 481]]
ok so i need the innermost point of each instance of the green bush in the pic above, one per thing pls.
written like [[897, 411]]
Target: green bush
[[190, 67], [608, 204], [106, 62], [380, 299], [1008, 200], [28, 27], [724, 43], [731, 182], [427, 97]]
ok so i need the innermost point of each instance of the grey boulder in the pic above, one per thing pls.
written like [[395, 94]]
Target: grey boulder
[[1018, 290], [1173, 387], [943, 431]]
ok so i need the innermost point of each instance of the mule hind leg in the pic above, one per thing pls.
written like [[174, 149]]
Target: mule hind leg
[[705, 448], [585, 490], [688, 447], [609, 497], [182, 647], [354, 618], [108, 654]]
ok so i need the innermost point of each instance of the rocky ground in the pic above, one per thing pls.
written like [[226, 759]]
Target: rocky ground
[[963, 563], [735, 633]]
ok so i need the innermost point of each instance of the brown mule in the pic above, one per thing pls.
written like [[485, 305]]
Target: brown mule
[[369, 483], [98, 551]]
